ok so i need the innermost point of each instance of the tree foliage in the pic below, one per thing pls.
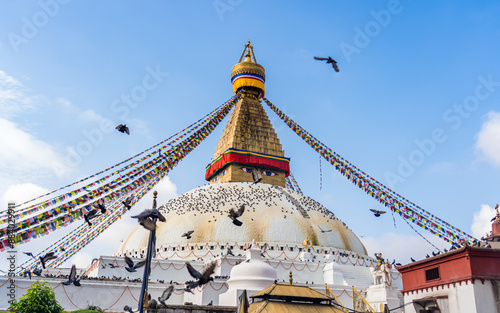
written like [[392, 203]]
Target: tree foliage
[[39, 298]]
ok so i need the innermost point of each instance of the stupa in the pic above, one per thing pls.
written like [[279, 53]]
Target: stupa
[[248, 169]]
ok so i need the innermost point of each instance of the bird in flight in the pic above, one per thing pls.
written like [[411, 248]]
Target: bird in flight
[[127, 202], [166, 294], [324, 231], [201, 278], [263, 249], [30, 254], [257, 177], [99, 204], [90, 215], [131, 266], [235, 214], [47, 257], [123, 129], [72, 278], [188, 234], [329, 60], [146, 218], [377, 213]]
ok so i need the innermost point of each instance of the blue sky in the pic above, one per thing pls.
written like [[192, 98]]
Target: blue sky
[[419, 84]]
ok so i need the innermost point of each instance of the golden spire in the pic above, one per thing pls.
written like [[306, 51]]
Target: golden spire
[[249, 140]]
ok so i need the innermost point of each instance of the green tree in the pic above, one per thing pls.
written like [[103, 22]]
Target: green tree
[[39, 298]]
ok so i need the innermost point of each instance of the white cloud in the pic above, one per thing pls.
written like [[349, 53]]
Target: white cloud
[[400, 247], [488, 138], [22, 151], [481, 223], [20, 193], [13, 96]]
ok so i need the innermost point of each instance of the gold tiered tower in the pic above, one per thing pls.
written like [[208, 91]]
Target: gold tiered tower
[[249, 140]]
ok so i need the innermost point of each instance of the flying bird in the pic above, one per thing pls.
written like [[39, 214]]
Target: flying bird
[[165, 295], [72, 278], [131, 266], [235, 214], [188, 234], [30, 254], [151, 213], [324, 231], [90, 215], [263, 249], [256, 176], [100, 205], [377, 213], [329, 60], [47, 257], [201, 278], [127, 202], [123, 129]]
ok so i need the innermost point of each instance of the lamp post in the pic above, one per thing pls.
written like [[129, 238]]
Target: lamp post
[[149, 256]]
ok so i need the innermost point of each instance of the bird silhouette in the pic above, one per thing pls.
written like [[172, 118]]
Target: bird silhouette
[[235, 214], [151, 213], [72, 278], [377, 213], [123, 129], [201, 278], [100, 205], [324, 231], [37, 272], [412, 259], [128, 309], [230, 252], [188, 234], [131, 266], [165, 295], [329, 60], [257, 177], [90, 215], [127, 202], [47, 257], [263, 249], [496, 216], [30, 254]]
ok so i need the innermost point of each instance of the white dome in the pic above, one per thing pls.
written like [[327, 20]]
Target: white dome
[[272, 214], [252, 273]]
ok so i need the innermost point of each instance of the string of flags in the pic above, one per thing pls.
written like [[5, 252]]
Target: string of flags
[[23, 212], [68, 209], [397, 203]]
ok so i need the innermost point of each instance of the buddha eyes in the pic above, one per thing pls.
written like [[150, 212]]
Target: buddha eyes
[[268, 173], [265, 172], [246, 169]]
